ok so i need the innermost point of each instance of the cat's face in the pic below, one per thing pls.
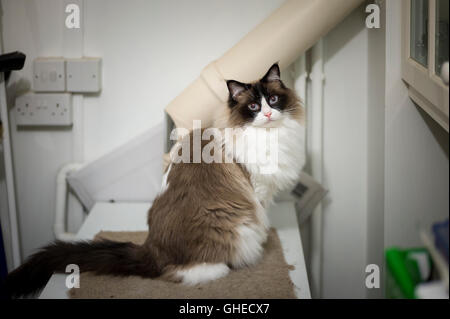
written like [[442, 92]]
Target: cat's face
[[263, 103]]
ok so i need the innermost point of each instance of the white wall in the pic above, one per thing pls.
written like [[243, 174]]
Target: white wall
[[151, 50], [345, 158], [416, 153], [375, 147]]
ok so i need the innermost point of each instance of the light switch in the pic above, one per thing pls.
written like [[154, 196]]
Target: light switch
[[49, 75], [83, 75]]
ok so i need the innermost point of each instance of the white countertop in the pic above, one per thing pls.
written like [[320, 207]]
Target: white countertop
[[133, 217]]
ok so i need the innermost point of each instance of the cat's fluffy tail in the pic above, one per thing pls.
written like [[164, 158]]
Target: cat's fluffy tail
[[102, 257]]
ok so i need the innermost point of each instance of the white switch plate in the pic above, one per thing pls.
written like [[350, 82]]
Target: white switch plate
[[40, 109], [49, 75], [83, 75]]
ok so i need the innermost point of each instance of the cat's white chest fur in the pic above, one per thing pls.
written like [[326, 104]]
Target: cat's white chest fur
[[281, 168]]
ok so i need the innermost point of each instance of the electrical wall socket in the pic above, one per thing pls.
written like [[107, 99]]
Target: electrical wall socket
[[44, 109], [83, 75], [49, 75]]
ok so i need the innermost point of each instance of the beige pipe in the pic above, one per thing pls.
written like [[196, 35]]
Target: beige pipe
[[286, 34]]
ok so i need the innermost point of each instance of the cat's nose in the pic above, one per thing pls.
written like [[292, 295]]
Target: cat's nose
[[268, 114]]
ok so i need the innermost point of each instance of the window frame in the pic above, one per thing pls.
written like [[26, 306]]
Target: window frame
[[425, 88]]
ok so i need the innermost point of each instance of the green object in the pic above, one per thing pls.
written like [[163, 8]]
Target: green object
[[405, 269]]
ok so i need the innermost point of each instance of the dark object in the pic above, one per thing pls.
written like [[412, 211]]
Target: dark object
[[3, 268], [8, 62], [440, 231], [11, 61]]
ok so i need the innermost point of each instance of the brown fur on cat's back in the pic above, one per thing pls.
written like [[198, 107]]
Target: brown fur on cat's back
[[195, 224]]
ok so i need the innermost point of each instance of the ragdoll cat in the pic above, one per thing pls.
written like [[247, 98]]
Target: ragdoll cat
[[209, 217]]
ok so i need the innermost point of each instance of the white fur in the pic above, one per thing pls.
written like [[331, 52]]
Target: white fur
[[202, 273], [289, 162], [262, 120], [251, 237]]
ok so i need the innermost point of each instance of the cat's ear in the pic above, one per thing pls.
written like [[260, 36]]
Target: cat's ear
[[273, 74], [235, 88]]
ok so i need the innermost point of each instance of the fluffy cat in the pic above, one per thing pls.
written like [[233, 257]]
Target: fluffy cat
[[209, 217]]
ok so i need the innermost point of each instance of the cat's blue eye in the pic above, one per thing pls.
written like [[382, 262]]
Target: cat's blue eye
[[273, 99], [253, 107]]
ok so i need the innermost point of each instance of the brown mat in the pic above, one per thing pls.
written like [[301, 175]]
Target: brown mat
[[268, 279]]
